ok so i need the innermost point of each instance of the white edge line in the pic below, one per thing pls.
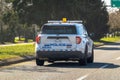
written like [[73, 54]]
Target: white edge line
[[83, 77], [104, 66], [118, 58]]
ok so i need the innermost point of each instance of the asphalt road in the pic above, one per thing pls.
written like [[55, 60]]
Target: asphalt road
[[105, 67]]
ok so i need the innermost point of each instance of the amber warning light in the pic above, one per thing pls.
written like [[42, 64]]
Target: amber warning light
[[64, 20]]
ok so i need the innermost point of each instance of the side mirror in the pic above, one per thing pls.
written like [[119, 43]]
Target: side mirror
[[91, 34], [85, 35]]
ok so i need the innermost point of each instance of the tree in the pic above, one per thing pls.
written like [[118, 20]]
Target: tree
[[1, 22], [10, 18], [92, 12], [114, 22]]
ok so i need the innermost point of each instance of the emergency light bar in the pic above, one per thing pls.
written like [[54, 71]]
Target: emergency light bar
[[74, 21], [54, 21], [64, 20], [69, 21]]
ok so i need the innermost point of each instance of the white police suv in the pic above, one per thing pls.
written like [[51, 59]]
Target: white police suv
[[64, 40]]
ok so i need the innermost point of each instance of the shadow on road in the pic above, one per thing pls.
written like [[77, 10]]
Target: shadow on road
[[55, 67], [30, 69], [76, 65], [107, 48], [110, 43]]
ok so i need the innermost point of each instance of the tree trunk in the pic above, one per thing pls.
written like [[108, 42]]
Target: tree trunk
[[1, 35]]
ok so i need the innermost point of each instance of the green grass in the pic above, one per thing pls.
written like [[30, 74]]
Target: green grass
[[107, 40], [16, 51], [17, 39], [97, 42], [21, 40], [111, 39]]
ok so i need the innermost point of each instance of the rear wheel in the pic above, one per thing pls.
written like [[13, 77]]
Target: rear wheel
[[39, 62], [83, 61], [91, 58]]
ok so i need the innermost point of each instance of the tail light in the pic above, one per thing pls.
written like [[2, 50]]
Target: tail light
[[78, 40], [38, 39]]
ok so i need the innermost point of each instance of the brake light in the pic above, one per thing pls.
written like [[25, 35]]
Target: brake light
[[38, 39], [78, 40]]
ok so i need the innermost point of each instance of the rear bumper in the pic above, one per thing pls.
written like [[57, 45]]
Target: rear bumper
[[59, 55]]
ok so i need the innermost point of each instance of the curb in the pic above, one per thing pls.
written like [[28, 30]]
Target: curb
[[16, 60], [98, 45]]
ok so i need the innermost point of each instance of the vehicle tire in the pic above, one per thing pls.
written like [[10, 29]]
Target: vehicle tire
[[91, 59], [83, 61], [39, 62]]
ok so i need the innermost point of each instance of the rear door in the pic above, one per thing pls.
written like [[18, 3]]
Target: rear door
[[58, 38]]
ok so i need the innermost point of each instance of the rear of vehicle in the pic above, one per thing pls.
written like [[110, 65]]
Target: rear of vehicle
[[59, 42]]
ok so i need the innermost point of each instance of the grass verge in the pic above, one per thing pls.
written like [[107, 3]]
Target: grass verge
[[16, 51], [107, 40], [21, 40], [111, 39], [29, 49]]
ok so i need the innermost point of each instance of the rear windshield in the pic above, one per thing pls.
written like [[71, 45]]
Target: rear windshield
[[59, 30]]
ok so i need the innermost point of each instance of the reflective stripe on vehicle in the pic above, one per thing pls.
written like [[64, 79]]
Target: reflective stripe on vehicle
[[58, 50]]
